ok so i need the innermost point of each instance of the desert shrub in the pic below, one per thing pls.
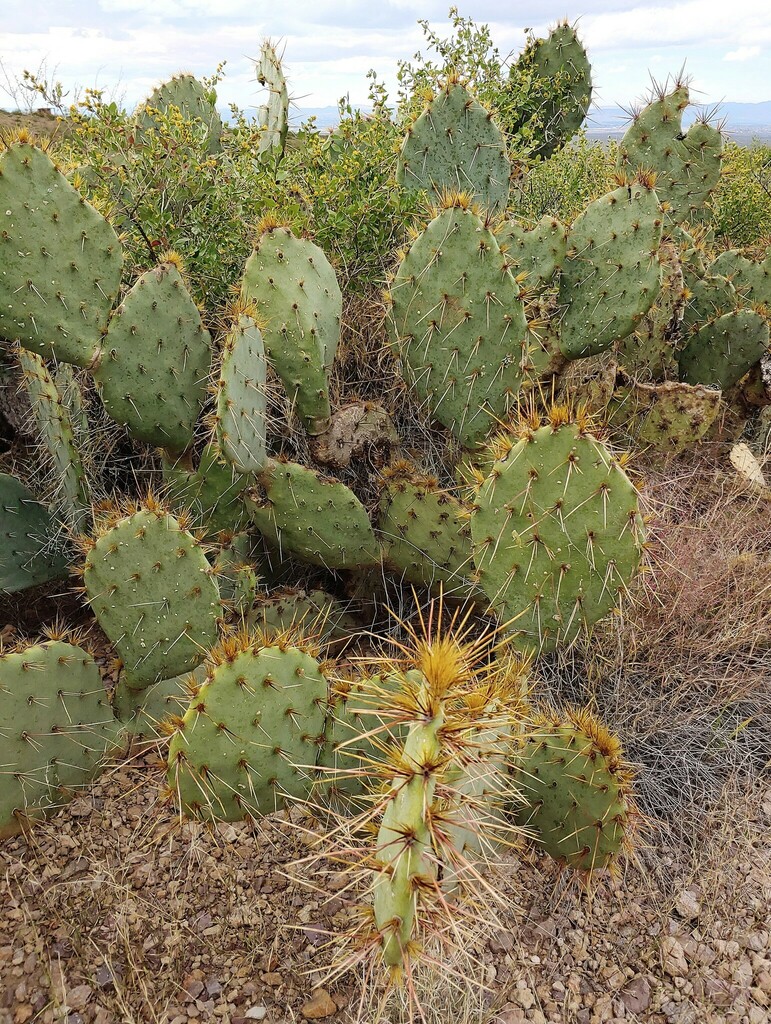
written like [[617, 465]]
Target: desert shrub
[[563, 185], [741, 203]]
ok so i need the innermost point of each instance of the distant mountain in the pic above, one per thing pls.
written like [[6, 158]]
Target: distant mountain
[[743, 121]]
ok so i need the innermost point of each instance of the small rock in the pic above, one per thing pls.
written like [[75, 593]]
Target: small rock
[[636, 995], [721, 992], [256, 1013], [193, 985], [673, 957], [81, 807], [687, 906], [511, 1014], [272, 978], [213, 987], [78, 997], [321, 1005]]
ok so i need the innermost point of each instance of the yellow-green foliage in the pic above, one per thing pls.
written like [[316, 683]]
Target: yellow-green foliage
[[741, 203]]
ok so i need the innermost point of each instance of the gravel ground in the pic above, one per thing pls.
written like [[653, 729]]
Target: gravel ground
[[114, 911]]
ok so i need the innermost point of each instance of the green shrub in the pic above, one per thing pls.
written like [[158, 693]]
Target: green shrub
[[741, 203]]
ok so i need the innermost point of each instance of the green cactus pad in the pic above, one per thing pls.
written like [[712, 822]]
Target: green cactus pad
[[556, 77], [459, 325], [577, 790], [456, 146], [236, 576], [54, 423], [316, 614], [556, 534], [56, 728], [192, 100], [297, 296], [30, 549], [249, 741], [723, 350], [149, 585], [241, 397], [273, 116], [707, 298], [611, 274], [212, 494], [155, 362], [750, 279], [671, 416], [147, 713], [649, 353], [687, 165], [61, 261], [317, 519], [538, 252], [425, 536]]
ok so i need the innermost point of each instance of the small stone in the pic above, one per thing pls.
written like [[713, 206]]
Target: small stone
[[213, 987], [78, 997], [511, 1014], [23, 1013], [687, 906], [256, 1013], [720, 992], [272, 978], [636, 995], [673, 956], [81, 807], [321, 1005], [193, 985]]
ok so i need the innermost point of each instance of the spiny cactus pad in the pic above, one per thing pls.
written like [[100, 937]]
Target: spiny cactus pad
[[249, 741], [426, 538], [456, 145], [192, 100], [708, 298], [317, 519], [723, 350], [752, 280], [611, 274], [147, 712], [687, 164], [151, 590], [315, 613], [649, 353], [56, 727], [459, 324], [211, 494], [537, 252], [241, 397], [556, 534], [155, 362], [30, 550], [577, 790], [273, 115], [671, 416], [52, 416], [61, 261], [297, 296]]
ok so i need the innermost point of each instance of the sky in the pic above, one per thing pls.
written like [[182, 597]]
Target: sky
[[126, 47]]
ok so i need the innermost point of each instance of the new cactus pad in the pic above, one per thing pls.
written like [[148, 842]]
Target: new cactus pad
[[154, 366], [249, 741], [556, 532], [274, 114], [56, 727], [459, 323], [150, 587], [611, 274], [61, 261], [456, 145], [577, 791], [298, 300], [317, 519]]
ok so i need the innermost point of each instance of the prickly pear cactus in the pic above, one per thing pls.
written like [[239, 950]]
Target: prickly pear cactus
[[273, 115], [687, 164], [154, 365], [537, 252], [212, 495], [611, 274], [55, 426], [649, 353], [31, 550], [559, 92], [455, 145], [708, 298], [459, 324], [294, 289], [150, 713], [671, 416], [723, 350], [577, 791], [316, 519], [752, 280], [241, 397], [192, 100], [150, 587], [556, 532], [61, 260], [314, 613], [249, 741], [426, 538], [56, 729]]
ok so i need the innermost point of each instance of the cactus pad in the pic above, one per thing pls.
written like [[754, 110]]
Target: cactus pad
[[751, 280], [241, 397], [212, 494], [192, 100], [151, 590], [671, 416], [30, 552], [538, 252], [723, 350], [61, 261]]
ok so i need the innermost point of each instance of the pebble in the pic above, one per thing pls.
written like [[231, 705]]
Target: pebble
[[319, 1006]]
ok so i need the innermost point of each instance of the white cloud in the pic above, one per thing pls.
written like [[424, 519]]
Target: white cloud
[[743, 53]]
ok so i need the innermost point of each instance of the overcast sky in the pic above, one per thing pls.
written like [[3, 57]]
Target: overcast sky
[[127, 46]]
